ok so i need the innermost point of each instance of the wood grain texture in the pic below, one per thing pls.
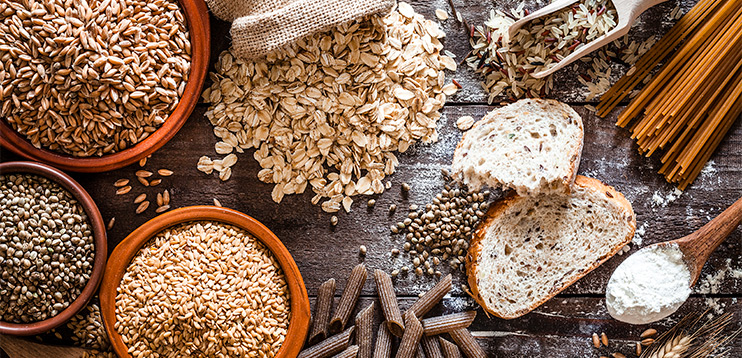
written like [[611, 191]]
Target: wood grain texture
[[561, 327]]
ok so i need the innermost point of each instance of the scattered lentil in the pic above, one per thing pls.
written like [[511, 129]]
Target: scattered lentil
[[442, 229]]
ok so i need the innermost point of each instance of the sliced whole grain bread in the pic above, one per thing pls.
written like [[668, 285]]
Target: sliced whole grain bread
[[528, 249], [532, 146]]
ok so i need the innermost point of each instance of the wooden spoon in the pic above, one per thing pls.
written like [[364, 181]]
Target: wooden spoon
[[698, 246], [627, 11], [655, 302], [20, 348]]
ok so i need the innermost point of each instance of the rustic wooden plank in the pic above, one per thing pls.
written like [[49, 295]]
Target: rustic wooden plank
[[322, 252]]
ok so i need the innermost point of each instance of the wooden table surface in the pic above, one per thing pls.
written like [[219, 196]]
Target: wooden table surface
[[560, 328]]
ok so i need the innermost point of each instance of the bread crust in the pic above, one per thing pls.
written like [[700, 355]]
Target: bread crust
[[566, 110], [475, 248]]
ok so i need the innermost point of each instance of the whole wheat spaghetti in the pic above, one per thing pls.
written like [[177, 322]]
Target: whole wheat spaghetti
[[691, 103]]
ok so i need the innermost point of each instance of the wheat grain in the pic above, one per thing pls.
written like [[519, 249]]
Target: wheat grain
[[89, 78]]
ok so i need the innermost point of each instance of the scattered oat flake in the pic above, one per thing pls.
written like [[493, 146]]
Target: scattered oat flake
[[347, 202], [406, 10], [464, 123], [441, 14]]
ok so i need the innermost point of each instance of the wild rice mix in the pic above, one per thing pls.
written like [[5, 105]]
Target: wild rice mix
[[203, 289], [536, 47], [91, 77], [331, 111]]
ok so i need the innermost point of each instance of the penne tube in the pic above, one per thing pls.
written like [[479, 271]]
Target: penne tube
[[350, 352], [365, 331], [467, 343], [322, 311], [349, 298], [420, 352], [389, 304], [332, 345], [411, 337], [432, 347], [430, 298], [434, 326], [449, 349], [383, 347]]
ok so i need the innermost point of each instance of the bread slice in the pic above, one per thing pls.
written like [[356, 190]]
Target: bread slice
[[528, 249], [532, 146]]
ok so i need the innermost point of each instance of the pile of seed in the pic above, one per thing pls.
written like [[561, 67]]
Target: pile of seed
[[539, 45], [440, 231], [203, 289], [331, 111], [46, 248], [91, 77], [88, 330]]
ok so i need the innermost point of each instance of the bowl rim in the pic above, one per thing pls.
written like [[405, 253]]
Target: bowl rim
[[130, 246], [99, 240], [197, 18]]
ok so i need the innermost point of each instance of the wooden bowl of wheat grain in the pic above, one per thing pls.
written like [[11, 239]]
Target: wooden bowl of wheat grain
[[196, 16]]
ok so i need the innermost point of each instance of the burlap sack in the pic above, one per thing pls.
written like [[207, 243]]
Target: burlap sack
[[261, 26]]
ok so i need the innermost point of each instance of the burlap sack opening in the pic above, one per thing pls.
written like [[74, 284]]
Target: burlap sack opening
[[261, 26]]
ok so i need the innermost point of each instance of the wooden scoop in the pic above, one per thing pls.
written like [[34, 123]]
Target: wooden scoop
[[626, 10], [698, 246]]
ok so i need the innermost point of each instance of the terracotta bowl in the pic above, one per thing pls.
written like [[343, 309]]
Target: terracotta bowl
[[99, 241], [129, 247], [197, 16]]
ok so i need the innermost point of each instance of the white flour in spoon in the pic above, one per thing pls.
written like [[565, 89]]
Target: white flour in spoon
[[648, 286]]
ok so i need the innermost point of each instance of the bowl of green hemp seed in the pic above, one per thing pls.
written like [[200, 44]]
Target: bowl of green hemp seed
[[52, 248]]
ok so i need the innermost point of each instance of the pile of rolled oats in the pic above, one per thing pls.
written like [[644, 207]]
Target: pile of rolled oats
[[330, 111]]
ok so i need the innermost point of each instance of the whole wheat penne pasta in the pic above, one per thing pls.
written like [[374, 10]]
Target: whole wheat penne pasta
[[389, 303], [434, 326], [432, 347], [322, 311], [420, 352], [467, 343], [449, 349], [430, 298], [365, 331], [349, 298], [383, 347], [411, 338], [350, 352], [329, 346]]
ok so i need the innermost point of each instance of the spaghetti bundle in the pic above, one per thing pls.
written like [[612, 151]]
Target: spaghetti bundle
[[687, 108]]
